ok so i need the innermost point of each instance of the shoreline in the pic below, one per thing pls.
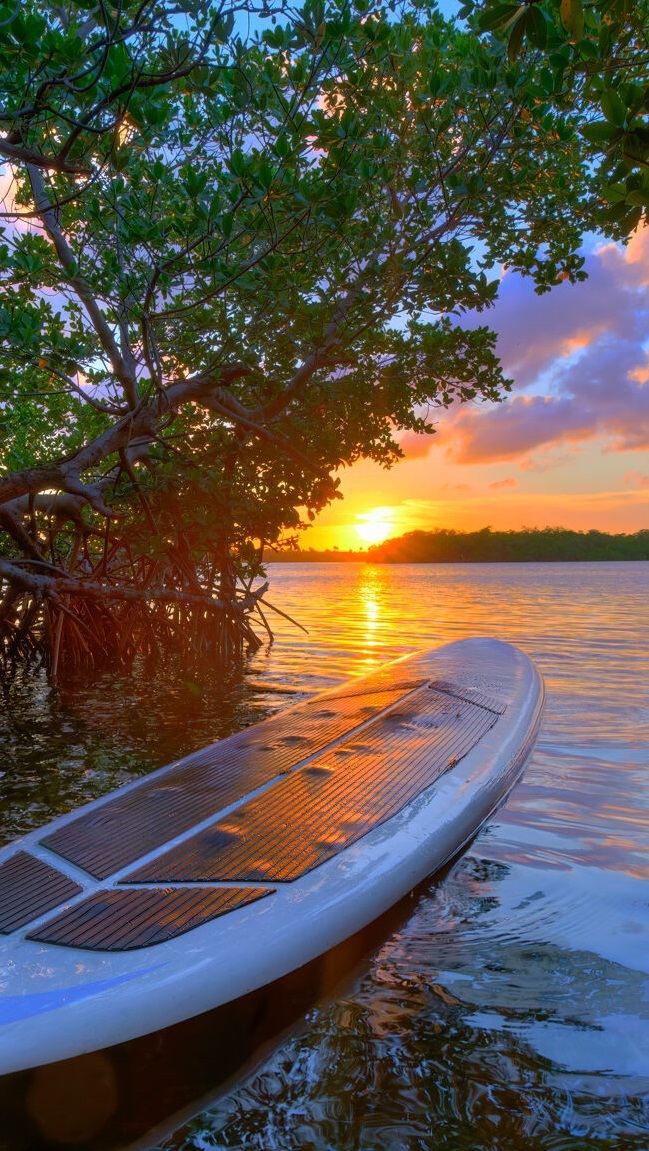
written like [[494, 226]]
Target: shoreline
[[529, 545], [363, 557]]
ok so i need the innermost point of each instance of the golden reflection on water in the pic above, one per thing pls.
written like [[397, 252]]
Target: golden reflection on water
[[373, 612]]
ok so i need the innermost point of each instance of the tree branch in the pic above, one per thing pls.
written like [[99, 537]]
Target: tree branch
[[53, 587], [17, 154], [143, 424], [82, 288]]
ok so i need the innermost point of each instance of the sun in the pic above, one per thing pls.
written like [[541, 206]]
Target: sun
[[375, 526]]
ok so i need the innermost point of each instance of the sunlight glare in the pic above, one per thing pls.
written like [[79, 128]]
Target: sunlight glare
[[375, 526]]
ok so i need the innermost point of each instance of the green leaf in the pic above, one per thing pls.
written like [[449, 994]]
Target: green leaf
[[120, 160], [515, 41], [265, 175], [224, 26], [613, 108], [572, 18], [537, 27], [599, 132], [282, 146], [630, 222], [614, 193], [636, 145], [497, 17], [588, 50], [238, 163]]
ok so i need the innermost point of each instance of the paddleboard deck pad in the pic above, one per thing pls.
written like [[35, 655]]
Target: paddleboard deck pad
[[229, 868]]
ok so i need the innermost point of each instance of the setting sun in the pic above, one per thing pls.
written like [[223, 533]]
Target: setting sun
[[376, 525]]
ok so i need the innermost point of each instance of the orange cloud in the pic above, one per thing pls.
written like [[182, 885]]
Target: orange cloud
[[637, 251], [415, 446], [581, 339], [500, 485], [640, 374], [634, 479]]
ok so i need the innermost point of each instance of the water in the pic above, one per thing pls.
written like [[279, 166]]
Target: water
[[509, 1009]]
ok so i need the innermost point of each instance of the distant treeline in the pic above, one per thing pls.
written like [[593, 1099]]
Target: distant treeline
[[531, 545], [536, 545]]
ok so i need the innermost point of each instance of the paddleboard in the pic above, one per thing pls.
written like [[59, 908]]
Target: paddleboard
[[236, 865]]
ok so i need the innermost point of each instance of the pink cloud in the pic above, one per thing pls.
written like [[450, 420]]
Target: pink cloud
[[632, 264], [599, 393], [515, 428], [534, 331]]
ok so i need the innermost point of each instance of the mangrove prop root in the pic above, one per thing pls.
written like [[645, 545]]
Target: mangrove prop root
[[81, 629]]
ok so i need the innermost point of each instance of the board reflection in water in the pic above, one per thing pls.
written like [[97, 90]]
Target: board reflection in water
[[138, 1092]]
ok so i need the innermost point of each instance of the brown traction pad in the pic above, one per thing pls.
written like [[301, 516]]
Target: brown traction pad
[[323, 807], [123, 920], [29, 888], [122, 830]]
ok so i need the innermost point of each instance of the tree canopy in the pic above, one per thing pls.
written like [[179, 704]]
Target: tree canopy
[[237, 247], [595, 60]]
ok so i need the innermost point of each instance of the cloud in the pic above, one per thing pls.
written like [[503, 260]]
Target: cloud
[[634, 479], [501, 485], [588, 344], [635, 257], [641, 373], [537, 331], [550, 458], [415, 446], [506, 433], [598, 398]]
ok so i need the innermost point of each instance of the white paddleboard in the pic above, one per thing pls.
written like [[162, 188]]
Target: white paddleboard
[[236, 865]]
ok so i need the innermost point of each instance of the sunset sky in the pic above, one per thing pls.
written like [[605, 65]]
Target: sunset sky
[[569, 447]]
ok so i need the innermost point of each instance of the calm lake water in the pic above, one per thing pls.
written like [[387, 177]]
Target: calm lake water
[[508, 1010]]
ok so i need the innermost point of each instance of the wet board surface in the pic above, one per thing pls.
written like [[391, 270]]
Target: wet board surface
[[242, 862]]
